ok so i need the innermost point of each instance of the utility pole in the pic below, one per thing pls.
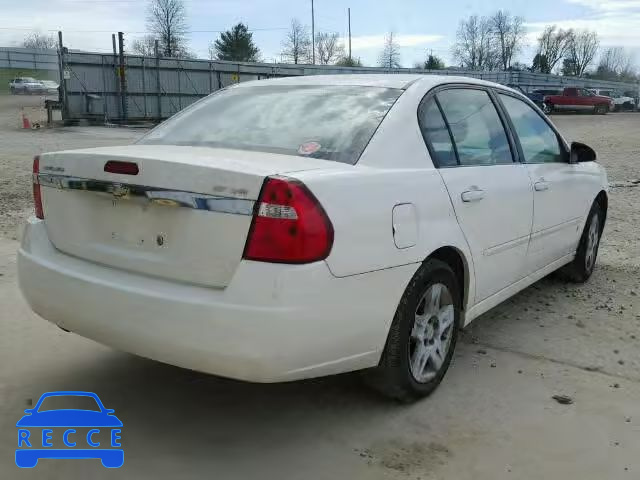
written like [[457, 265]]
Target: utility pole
[[349, 17], [116, 70], [123, 79], [63, 84], [156, 52], [313, 35]]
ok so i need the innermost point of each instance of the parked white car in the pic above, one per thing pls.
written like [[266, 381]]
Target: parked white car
[[51, 87], [621, 101], [26, 85], [298, 227]]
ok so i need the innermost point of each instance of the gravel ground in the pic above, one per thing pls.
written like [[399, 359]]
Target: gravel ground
[[492, 418]]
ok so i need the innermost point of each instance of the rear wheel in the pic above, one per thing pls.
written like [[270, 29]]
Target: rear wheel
[[547, 108], [581, 268], [422, 337]]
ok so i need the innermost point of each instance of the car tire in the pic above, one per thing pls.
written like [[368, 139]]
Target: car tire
[[406, 348], [13, 90], [600, 110], [547, 108], [582, 266]]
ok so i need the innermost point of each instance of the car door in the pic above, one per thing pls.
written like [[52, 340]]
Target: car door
[[559, 196], [585, 99], [490, 192]]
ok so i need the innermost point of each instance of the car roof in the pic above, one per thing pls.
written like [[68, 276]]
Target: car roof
[[388, 80]]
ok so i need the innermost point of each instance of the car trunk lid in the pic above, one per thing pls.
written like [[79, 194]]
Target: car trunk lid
[[184, 216]]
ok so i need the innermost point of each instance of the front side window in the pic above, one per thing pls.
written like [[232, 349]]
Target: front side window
[[436, 134], [539, 142], [477, 130], [325, 122]]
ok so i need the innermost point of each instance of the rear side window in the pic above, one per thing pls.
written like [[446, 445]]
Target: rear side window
[[326, 122], [436, 134], [477, 130], [539, 142]]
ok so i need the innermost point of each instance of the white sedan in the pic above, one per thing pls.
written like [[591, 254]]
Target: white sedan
[[299, 227]]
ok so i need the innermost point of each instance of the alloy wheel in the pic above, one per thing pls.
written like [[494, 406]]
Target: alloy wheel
[[593, 239], [431, 334]]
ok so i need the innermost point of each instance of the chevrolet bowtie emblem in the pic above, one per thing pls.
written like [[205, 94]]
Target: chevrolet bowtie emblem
[[119, 191]]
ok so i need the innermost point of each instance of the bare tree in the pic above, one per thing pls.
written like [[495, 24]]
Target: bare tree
[[553, 46], [616, 60], [390, 54], [583, 49], [144, 46], [297, 44], [39, 41], [474, 47], [167, 19], [509, 33], [328, 48]]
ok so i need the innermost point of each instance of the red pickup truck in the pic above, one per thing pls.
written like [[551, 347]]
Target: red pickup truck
[[578, 99]]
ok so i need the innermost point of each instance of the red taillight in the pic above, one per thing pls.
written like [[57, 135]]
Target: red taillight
[[37, 195], [289, 225], [124, 168]]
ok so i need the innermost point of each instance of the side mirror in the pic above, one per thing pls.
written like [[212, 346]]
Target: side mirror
[[582, 153]]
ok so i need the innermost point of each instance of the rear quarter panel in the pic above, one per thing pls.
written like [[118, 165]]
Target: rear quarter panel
[[360, 207]]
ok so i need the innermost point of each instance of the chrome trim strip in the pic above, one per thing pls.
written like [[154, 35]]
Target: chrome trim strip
[[551, 230], [157, 196], [505, 246]]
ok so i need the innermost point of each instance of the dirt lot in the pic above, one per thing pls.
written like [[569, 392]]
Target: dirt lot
[[492, 418]]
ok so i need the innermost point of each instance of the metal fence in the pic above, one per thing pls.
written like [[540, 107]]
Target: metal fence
[[97, 87], [30, 59]]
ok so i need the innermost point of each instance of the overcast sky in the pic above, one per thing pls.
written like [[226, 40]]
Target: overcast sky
[[419, 25]]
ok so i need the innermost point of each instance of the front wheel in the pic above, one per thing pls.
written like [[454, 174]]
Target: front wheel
[[422, 337], [581, 268], [600, 110], [547, 108]]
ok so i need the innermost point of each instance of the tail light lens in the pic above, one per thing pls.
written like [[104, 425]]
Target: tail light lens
[[289, 225], [37, 195]]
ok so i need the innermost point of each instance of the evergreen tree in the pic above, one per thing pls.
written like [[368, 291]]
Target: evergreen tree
[[236, 45]]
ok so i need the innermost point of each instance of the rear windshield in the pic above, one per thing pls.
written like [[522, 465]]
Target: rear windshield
[[327, 122]]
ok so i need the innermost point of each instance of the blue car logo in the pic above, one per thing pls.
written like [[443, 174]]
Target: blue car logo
[[85, 433]]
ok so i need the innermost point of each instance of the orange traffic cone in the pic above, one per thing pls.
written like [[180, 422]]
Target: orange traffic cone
[[25, 121]]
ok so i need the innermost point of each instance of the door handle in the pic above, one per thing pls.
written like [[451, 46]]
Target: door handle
[[541, 186], [474, 195]]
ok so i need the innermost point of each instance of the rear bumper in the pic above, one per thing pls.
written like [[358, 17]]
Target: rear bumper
[[272, 323]]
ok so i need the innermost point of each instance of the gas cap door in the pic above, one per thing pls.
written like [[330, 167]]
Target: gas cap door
[[405, 225]]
